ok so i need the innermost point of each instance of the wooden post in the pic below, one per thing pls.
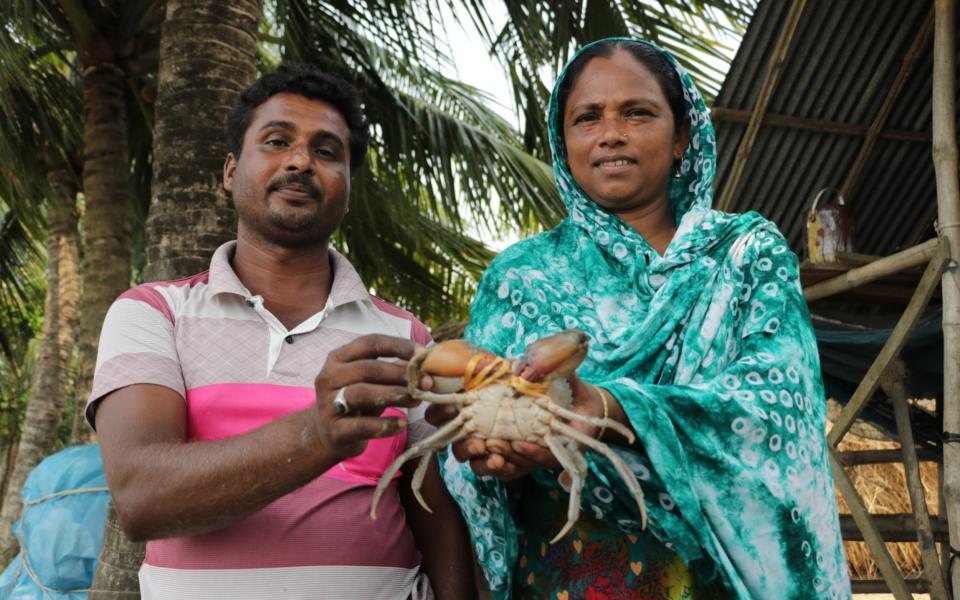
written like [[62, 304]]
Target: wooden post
[[760, 108], [932, 572], [948, 204], [893, 527], [853, 458], [885, 563], [891, 348]]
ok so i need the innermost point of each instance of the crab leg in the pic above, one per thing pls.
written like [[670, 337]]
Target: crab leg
[[434, 398], [428, 442], [568, 414], [574, 465], [418, 476], [421, 471], [621, 467]]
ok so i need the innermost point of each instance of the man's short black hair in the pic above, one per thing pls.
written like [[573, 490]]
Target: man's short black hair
[[310, 82]]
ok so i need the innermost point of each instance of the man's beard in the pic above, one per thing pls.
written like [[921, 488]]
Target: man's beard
[[298, 221]]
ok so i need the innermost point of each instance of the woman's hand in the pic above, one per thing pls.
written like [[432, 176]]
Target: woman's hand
[[510, 460]]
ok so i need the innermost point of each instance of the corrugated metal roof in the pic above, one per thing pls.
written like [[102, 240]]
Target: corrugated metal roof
[[841, 64]]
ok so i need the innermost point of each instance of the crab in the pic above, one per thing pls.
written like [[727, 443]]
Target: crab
[[525, 400]]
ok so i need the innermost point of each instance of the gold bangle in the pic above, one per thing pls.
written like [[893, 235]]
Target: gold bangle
[[606, 412]]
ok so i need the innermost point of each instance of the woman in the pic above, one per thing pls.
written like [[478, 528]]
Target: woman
[[699, 340]]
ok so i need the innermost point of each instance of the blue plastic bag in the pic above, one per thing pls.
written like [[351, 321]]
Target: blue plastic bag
[[61, 528]]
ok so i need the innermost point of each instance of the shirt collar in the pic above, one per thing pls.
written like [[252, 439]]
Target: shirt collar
[[347, 285]]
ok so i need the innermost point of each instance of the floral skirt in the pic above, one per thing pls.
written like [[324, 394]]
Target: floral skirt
[[594, 561]]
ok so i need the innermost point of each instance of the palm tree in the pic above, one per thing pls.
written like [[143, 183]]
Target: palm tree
[[207, 51], [39, 133], [111, 43], [114, 41], [51, 382], [21, 304], [207, 54]]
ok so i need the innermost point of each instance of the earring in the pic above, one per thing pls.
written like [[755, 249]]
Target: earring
[[676, 172]]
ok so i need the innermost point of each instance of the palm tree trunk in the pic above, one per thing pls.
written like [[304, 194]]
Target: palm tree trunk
[[107, 219], [207, 51], [118, 566], [107, 223], [8, 455], [50, 388]]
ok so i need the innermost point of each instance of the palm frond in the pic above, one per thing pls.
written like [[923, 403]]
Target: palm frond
[[408, 257], [539, 36], [40, 126], [442, 161], [21, 285]]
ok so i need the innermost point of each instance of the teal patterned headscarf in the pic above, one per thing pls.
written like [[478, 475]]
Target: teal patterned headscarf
[[709, 350]]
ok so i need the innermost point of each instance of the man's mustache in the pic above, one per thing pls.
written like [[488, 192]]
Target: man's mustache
[[299, 179]]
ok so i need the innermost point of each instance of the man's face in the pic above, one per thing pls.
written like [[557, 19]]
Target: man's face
[[291, 182]]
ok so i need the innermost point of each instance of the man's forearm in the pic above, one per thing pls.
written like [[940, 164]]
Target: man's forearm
[[168, 489]]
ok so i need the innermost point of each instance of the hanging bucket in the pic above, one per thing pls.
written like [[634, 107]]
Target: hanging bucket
[[829, 228]]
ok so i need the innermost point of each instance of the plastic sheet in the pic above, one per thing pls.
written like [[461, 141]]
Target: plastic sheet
[[61, 528]]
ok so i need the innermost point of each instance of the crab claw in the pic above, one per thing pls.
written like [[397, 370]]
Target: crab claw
[[449, 358], [554, 356], [446, 363]]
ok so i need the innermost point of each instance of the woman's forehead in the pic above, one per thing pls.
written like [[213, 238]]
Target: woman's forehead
[[617, 77]]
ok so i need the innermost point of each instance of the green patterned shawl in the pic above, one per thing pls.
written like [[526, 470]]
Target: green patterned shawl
[[710, 351]]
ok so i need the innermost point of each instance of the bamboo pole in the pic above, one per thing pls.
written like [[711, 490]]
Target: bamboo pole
[[911, 468], [888, 265], [891, 348], [909, 59], [885, 563], [760, 108], [948, 204], [941, 522], [721, 114]]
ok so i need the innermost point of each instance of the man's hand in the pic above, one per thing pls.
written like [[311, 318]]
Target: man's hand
[[368, 386]]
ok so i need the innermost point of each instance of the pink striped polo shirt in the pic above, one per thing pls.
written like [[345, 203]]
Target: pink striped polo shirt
[[238, 368]]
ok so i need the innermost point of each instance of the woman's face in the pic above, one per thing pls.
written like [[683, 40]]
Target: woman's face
[[619, 133]]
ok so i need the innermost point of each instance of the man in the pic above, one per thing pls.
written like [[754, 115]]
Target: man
[[243, 414]]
